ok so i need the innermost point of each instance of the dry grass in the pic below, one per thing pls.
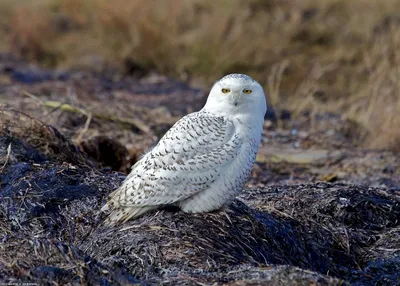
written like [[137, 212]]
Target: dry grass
[[331, 55]]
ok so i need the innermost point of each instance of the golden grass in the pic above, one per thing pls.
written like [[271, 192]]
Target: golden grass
[[331, 55]]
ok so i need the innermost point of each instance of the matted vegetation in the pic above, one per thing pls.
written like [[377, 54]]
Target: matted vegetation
[[51, 230]]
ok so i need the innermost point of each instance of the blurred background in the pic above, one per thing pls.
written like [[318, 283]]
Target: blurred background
[[335, 59]]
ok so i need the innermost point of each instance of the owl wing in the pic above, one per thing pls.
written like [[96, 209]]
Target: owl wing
[[187, 160]]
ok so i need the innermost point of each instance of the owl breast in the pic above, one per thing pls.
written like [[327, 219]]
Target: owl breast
[[229, 183]]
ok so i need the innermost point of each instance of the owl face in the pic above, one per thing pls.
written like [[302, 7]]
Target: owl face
[[237, 94]]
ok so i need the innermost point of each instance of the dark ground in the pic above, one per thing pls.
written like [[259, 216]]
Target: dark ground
[[317, 210]]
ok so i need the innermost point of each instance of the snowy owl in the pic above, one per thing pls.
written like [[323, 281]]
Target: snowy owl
[[203, 161]]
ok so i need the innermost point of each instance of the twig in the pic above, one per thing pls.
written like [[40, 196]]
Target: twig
[[34, 97], [85, 128], [7, 158], [64, 107]]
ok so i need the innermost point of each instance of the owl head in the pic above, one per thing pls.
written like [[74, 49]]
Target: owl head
[[237, 95]]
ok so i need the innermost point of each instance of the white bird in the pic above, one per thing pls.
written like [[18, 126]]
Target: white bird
[[203, 161]]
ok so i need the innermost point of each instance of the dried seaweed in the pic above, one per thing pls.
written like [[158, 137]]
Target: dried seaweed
[[51, 231]]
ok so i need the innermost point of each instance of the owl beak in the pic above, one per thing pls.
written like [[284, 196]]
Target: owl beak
[[236, 98]]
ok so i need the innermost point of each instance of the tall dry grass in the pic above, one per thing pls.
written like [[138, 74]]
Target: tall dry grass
[[331, 55]]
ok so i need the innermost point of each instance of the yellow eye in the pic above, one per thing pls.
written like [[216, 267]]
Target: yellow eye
[[247, 91], [225, 90]]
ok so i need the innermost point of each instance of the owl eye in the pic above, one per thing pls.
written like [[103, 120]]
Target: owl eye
[[247, 91], [225, 90]]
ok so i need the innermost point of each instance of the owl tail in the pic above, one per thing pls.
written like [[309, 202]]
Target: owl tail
[[121, 215]]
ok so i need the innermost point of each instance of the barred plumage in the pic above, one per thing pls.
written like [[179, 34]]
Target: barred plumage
[[203, 161]]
